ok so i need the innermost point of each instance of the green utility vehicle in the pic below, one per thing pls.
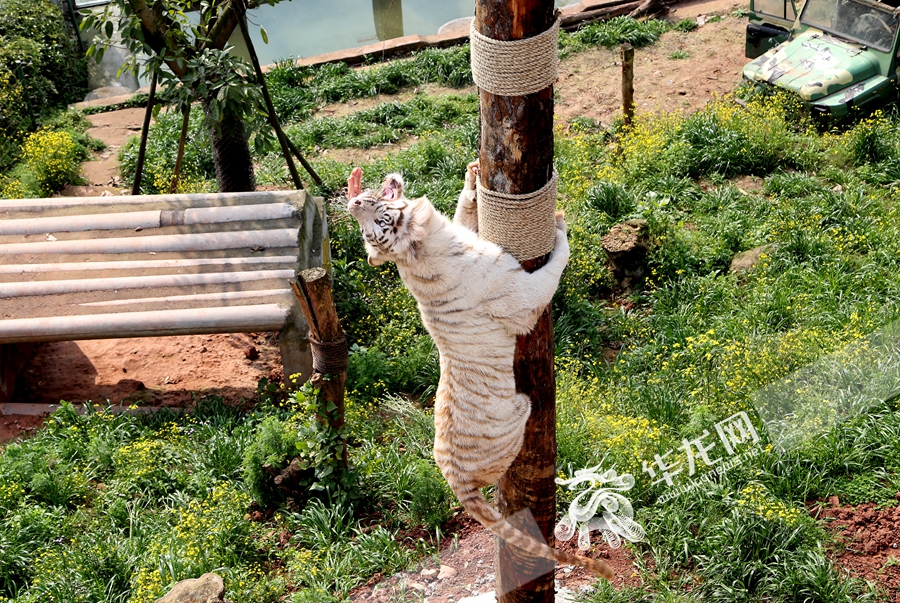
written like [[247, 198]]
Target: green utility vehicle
[[836, 54]]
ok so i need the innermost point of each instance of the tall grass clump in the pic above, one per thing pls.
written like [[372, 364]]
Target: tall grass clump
[[198, 169], [297, 91], [385, 122], [615, 31]]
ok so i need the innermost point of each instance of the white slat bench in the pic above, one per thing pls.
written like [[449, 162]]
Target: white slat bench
[[149, 266]]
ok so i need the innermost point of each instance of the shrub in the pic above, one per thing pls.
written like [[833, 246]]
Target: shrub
[[617, 30], [53, 159], [273, 445], [35, 33], [611, 198], [162, 150]]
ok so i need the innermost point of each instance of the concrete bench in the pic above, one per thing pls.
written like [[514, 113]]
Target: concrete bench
[[149, 266]]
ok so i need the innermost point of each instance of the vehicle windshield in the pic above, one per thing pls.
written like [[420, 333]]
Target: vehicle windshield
[[873, 26]]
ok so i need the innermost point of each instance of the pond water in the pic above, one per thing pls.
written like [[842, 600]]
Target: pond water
[[302, 28]]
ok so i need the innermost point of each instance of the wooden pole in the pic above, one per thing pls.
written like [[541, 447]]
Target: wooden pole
[[270, 108], [309, 169], [516, 156], [185, 122], [142, 149], [312, 288], [627, 83]]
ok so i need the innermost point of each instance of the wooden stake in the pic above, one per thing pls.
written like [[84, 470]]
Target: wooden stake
[[627, 83], [516, 156], [185, 121], [142, 149], [312, 289]]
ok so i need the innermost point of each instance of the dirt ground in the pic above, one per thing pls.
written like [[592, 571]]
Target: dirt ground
[[871, 537], [464, 566]]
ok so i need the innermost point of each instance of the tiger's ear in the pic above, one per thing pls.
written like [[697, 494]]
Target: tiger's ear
[[420, 211]]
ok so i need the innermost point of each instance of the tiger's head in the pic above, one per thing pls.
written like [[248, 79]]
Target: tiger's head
[[391, 224]]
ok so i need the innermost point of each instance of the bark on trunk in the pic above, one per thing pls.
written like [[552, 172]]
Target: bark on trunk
[[231, 154]]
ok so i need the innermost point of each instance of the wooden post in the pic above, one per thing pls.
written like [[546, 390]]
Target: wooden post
[[313, 290], [627, 83], [142, 149], [179, 159], [516, 156]]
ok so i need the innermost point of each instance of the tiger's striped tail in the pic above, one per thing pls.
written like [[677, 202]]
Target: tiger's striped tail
[[476, 505]]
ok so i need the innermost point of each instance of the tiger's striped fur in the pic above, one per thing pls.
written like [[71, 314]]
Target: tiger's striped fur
[[474, 299]]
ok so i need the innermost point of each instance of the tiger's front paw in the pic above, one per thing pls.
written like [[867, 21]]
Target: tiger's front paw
[[471, 175]]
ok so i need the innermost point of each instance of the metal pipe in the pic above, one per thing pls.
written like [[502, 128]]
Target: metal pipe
[[265, 239], [146, 219], [192, 200], [141, 265], [137, 282], [195, 321], [197, 297]]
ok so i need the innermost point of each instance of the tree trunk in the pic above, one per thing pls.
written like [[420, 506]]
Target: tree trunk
[[516, 156], [231, 153]]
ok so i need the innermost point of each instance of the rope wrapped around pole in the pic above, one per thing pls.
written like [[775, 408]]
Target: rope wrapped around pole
[[524, 224], [515, 67], [329, 357]]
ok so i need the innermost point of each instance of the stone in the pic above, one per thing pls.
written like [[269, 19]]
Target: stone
[[418, 586], [745, 261], [457, 26], [208, 588], [626, 246], [107, 92], [446, 573], [428, 572]]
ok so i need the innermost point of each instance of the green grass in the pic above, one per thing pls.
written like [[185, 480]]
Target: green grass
[[385, 123]]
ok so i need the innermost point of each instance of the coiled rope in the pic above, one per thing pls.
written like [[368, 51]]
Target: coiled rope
[[523, 224], [515, 67], [329, 357]]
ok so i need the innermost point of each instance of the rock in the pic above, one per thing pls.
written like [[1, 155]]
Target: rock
[[483, 598], [446, 573], [108, 92], [429, 572], [745, 261], [626, 246], [208, 588], [251, 353], [416, 586], [457, 26]]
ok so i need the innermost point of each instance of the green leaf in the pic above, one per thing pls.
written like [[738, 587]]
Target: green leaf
[[265, 36], [331, 406], [109, 29]]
